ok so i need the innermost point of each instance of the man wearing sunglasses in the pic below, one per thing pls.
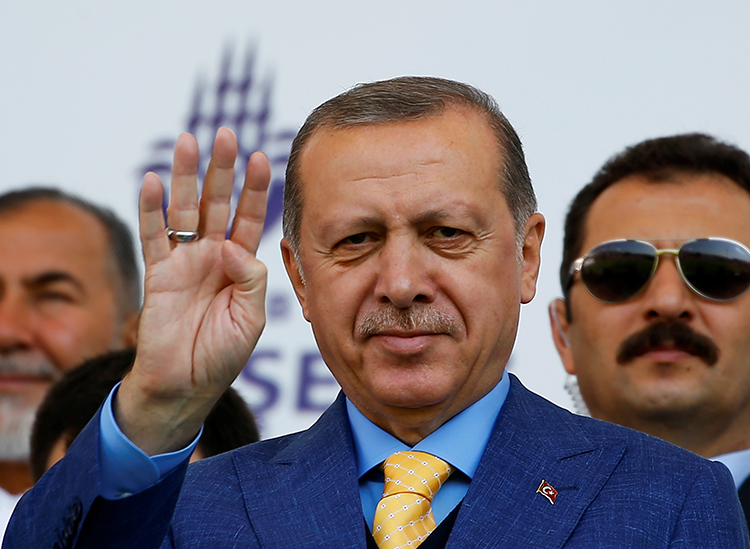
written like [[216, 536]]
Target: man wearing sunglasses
[[655, 320]]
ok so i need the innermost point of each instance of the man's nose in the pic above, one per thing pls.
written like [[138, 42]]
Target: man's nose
[[667, 295], [404, 275], [15, 323]]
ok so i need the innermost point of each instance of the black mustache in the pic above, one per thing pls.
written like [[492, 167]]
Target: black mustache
[[672, 332]]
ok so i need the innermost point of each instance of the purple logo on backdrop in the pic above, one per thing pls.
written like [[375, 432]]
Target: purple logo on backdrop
[[240, 100]]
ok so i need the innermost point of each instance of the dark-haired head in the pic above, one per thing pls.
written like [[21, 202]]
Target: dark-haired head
[[658, 160]]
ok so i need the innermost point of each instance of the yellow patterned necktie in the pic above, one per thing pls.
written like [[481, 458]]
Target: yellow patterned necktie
[[403, 517]]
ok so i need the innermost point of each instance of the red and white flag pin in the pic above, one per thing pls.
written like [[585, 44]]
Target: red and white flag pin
[[548, 491]]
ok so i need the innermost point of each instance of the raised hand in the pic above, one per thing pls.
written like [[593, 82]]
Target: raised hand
[[204, 306]]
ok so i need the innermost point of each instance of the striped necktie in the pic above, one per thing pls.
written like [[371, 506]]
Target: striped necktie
[[403, 517]]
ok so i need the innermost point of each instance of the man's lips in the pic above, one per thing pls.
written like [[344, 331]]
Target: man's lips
[[666, 355], [405, 341], [20, 381]]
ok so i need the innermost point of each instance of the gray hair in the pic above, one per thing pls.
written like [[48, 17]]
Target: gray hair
[[405, 99]]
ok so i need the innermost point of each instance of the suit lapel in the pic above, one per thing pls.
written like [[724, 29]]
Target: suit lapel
[[324, 509], [532, 441], [744, 494]]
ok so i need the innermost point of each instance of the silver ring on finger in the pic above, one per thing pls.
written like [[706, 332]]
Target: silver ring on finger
[[182, 236]]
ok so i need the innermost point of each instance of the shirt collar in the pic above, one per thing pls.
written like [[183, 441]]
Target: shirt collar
[[738, 464], [472, 427]]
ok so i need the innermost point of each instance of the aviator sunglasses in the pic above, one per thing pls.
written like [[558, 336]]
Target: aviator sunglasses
[[614, 271]]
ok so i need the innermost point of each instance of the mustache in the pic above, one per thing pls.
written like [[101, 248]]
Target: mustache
[[28, 367], [413, 319], [676, 333]]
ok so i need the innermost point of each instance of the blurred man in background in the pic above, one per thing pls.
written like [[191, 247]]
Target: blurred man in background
[[655, 320], [69, 290]]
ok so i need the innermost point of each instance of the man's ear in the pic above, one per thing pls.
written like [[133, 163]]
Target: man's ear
[[129, 329], [558, 320], [531, 255], [294, 271]]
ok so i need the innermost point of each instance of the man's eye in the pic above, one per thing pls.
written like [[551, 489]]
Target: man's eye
[[446, 232], [54, 296], [359, 238]]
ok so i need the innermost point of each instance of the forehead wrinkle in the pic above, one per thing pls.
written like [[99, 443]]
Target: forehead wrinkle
[[442, 214], [358, 221], [402, 162], [415, 174], [654, 201]]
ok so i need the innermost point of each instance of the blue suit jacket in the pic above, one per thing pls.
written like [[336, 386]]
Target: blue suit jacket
[[616, 488]]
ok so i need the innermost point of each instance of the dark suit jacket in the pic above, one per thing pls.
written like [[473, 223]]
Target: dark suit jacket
[[744, 494], [616, 488]]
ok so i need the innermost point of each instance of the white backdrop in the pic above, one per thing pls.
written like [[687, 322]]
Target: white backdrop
[[88, 88]]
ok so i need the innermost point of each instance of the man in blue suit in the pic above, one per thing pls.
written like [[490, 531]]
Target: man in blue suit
[[411, 239]]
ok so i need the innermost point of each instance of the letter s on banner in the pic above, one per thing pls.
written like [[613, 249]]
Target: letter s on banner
[[268, 388]]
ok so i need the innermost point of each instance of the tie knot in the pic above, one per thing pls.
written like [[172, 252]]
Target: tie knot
[[414, 472]]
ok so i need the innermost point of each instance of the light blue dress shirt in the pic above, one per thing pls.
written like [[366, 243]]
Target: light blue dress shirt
[[738, 464], [127, 470], [461, 442]]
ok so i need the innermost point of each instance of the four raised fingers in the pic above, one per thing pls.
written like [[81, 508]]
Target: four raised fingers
[[210, 215]]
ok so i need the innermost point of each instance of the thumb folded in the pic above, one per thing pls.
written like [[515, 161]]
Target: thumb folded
[[243, 268]]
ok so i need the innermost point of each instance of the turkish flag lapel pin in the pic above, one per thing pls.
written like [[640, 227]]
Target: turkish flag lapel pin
[[548, 491]]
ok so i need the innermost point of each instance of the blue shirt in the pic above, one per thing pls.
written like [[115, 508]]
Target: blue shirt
[[738, 464], [472, 428], [127, 470]]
